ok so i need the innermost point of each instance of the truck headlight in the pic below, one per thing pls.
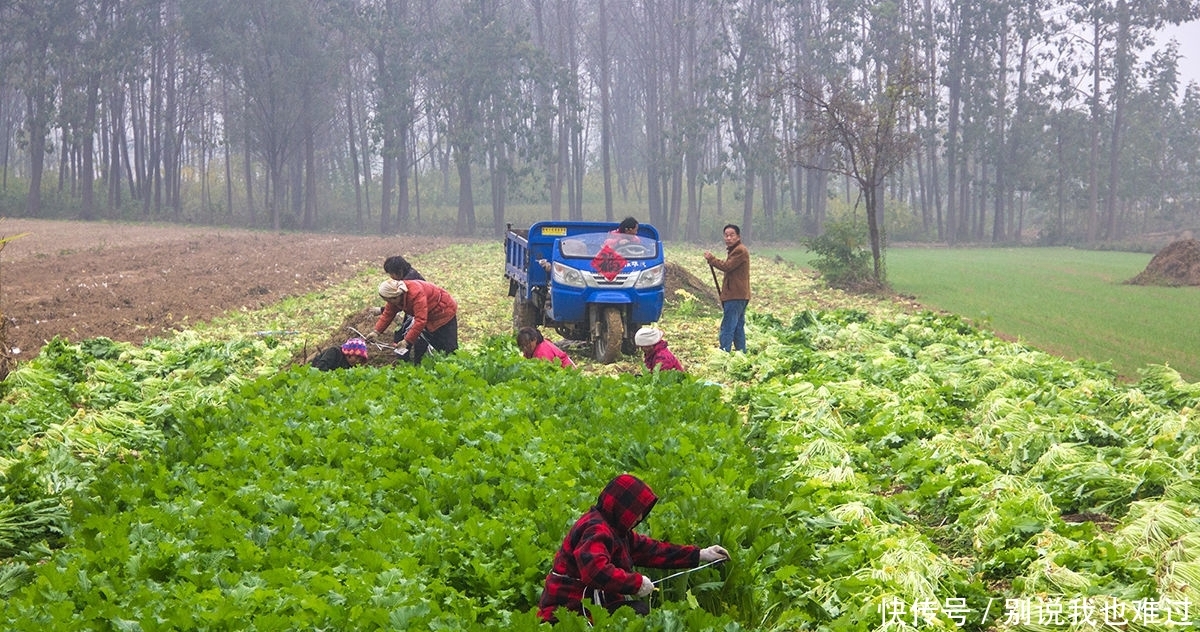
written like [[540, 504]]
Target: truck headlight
[[651, 277], [568, 276]]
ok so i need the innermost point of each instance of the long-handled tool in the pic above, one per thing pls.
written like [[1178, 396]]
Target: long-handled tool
[[658, 582], [713, 269], [394, 348], [690, 570], [378, 344]]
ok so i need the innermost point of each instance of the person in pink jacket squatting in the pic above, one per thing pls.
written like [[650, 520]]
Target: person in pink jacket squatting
[[533, 345], [654, 350]]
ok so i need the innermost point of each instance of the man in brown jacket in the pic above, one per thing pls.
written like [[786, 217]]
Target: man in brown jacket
[[735, 291]]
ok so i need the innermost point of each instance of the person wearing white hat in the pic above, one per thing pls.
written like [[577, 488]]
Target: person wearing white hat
[[654, 350], [434, 316]]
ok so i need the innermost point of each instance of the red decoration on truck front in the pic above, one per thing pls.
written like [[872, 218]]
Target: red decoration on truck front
[[608, 263]]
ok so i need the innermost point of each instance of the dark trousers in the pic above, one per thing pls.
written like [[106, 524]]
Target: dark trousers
[[445, 340]]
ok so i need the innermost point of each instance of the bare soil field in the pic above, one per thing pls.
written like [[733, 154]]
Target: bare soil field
[[131, 282]]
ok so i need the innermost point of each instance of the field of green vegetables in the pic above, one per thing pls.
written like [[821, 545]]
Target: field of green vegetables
[[867, 469]]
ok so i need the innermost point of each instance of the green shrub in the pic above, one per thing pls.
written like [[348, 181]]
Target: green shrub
[[843, 254]]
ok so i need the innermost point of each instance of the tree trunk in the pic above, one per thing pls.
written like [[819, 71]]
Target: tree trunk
[[247, 170], [388, 172], [37, 153], [403, 205], [225, 147], [498, 166], [605, 113], [1015, 138], [870, 193], [87, 168], [365, 142], [466, 200], [354, 170], [748, 203], [817, 198], [277, 188], [1001, 192], [1097, 121], [578, 168], [310, 180], [1122, 63], [954, 97], [559, 169], [171, 136]]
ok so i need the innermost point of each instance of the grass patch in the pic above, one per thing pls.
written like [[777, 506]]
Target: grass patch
[[1068, 302]]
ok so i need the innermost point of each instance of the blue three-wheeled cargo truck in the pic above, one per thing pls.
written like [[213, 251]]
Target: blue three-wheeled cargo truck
[[586, 280]]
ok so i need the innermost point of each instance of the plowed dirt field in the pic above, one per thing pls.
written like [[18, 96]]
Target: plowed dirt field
[[131, 282]]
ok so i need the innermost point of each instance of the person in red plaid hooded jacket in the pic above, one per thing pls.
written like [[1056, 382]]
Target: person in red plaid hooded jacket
[[596, 559]]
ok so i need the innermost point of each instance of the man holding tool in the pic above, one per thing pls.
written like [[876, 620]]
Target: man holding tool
[[596, 558], [735, 292]]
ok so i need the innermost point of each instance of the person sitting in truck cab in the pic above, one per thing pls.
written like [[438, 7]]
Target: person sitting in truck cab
[[626, 232]]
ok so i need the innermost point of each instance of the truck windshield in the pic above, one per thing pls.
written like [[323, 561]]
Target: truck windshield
[[589, 245]]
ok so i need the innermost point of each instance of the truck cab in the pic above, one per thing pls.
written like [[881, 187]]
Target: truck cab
[[587, 281]]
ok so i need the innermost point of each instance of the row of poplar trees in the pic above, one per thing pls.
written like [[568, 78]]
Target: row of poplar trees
[[976, 119]]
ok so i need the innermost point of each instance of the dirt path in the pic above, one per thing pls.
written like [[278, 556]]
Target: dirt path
[[131, 282]]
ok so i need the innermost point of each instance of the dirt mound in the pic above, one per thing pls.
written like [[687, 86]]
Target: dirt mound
[[680, 279], [363, 321], [1177, 264]]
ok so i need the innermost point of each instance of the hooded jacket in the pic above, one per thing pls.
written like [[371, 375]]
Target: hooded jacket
[[658, 356], [601, 549], [429, 305]]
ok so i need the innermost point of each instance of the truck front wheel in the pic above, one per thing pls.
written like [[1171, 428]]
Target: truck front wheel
[[610, 330], [525, 313]]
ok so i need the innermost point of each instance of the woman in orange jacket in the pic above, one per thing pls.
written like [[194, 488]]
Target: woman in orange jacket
[[434, 316]]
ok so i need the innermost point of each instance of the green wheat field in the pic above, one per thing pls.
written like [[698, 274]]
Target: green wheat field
[[1068, 302]]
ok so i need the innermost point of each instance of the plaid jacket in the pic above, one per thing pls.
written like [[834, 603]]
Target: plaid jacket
[[601, 549]]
